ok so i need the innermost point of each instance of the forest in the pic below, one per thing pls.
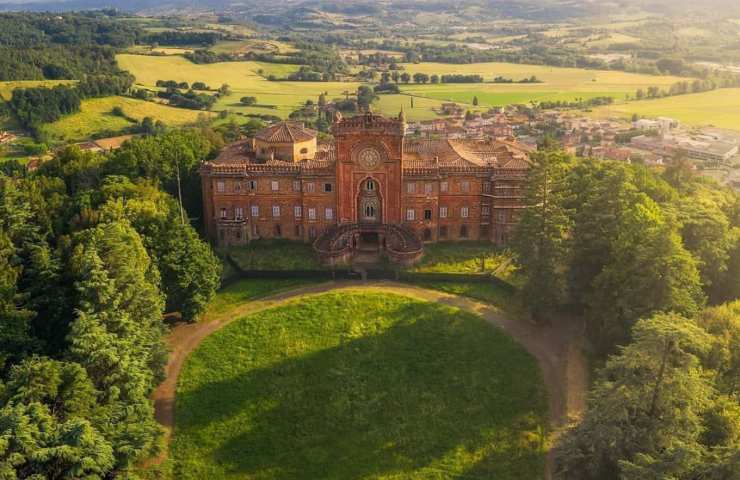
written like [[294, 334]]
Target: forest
[[37, 47], [94, 250], [649, 261]]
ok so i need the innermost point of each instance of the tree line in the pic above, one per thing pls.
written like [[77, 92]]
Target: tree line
[[93, 252]]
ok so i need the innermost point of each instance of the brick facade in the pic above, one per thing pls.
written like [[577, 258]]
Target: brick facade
[[370, 174]]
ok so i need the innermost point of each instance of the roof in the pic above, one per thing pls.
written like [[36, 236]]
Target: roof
[[285, 132]]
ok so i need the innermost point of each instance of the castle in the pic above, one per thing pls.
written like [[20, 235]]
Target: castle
[[372, 185]]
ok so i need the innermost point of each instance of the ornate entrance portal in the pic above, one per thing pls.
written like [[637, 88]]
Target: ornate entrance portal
[[369, 209]]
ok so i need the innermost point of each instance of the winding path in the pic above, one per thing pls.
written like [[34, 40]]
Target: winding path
[[555, 346]]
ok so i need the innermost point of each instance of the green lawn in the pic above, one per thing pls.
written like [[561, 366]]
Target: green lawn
[[465, 257], [720, 108], [275, 255], [359, 386], [248, 289]]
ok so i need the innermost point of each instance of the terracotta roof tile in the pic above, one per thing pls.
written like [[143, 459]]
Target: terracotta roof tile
[[285, 132]]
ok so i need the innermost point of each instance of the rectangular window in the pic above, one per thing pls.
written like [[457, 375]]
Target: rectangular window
[[427, 214], [297, 211], [465, 186], [487, 187], [486, 211], [220, 187], [411, 187], [312, 214], [296, 185], [442, 232], [223, 213], [274, 185], [276, 210], [311, 232], [444, 186], [237, 186], [239, 213], [255, 211], [442, 212], [253, 184], [309, 187], [410, 214], [327, 187], [464, 212], [501, 216], [428, 188], [329, 214]]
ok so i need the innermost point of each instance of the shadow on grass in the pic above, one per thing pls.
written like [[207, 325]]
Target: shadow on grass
[[436, 395]]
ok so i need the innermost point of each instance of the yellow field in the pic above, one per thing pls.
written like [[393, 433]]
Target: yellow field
[[562, 78], [95, 116], [720, 108], [243, 79], [6, 88]]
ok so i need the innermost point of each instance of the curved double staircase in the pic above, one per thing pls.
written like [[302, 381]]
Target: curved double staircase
[[339, 243]]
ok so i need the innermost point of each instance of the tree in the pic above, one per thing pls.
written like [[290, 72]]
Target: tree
[[705, 231], [224, 89], [434, 78], [405, 77], [543, 260], [475, 101], [421, 77], [248, 101], [649, 271], [646, 409], [36, 445], [117, 333]]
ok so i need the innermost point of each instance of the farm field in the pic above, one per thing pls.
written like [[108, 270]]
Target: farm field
[[360, 385], [242, 77], [6, 88], [564, 84], [558, 83], [96, 116], [720, 108]]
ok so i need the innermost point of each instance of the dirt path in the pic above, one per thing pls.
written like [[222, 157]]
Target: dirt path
[[555, 346]]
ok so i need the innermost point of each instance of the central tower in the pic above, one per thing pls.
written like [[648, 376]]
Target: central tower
[[369, 167]]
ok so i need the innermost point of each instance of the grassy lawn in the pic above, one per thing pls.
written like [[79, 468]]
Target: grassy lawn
[[465, 257], [359, 385], [275, 255], [488, 292], [249, 289], [720, 108], [96, 115]]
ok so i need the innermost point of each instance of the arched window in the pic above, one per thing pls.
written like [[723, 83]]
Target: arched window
[[370, 185], [370, 211]]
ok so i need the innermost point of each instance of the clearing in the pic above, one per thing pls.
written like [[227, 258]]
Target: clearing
[[360, 384]]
